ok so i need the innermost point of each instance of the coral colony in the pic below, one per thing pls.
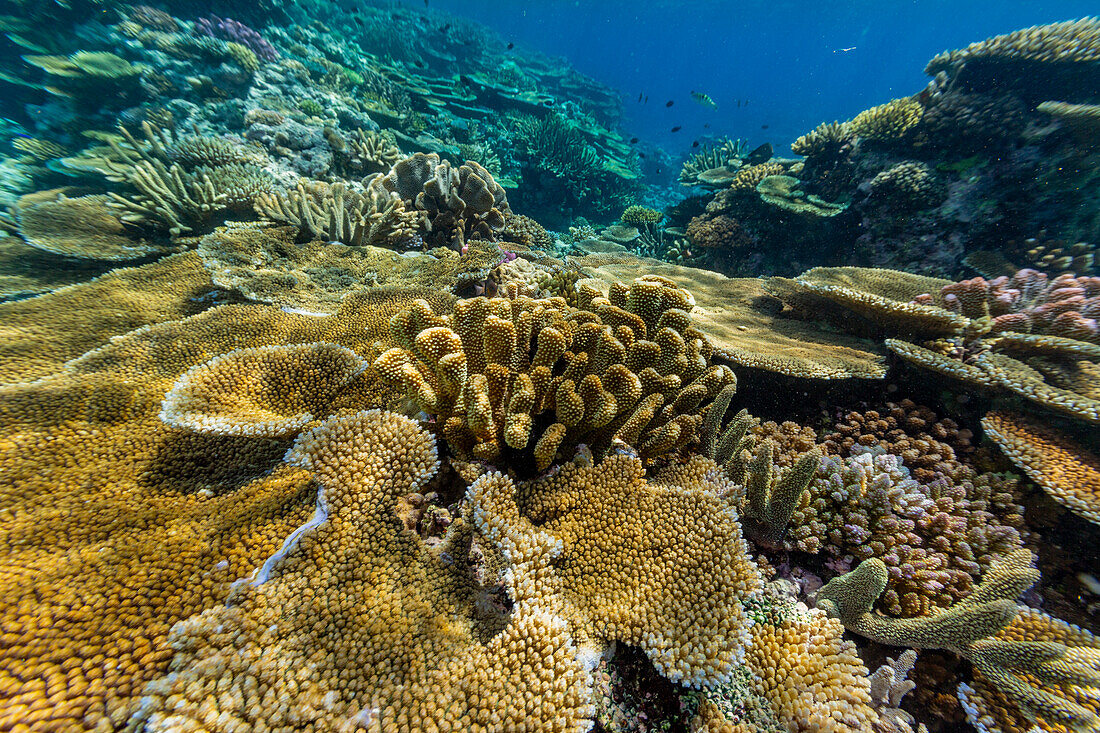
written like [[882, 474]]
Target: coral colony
[[356, 377]]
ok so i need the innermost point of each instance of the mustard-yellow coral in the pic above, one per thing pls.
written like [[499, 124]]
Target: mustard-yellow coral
[[887, 122], [355, 623]]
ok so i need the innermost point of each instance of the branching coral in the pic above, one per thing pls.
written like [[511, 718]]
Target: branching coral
[[825, 140], [337, 213], [512, 373], [1043, 670], [887, 122], [725, 154], [641, 215], [936, 538]]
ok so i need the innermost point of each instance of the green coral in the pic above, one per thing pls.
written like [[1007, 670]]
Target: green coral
[[311, 107]]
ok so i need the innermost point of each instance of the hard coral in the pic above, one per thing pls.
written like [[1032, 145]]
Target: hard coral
[[907, 186], [227, 29], [352, 584], [887, 122], [503, 373], [453, 204], [718, 232]]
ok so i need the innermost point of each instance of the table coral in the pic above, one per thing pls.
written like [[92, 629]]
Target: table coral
[[266, 391], [82, 226], [1065, 469], [117, 526], [628, 547], [381, 619]]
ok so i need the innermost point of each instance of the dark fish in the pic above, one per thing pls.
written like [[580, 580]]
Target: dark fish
[[511, 46], [419, 64], [695, 144], [759, 155], [446, 28], [738, 104], [677, 128], [646, 99], [669, 103], [641, 155], [639, 97], [425, 3], [763, 127], [707, 125], [633, 140]]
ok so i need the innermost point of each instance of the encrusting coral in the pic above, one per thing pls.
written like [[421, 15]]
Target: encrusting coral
[[536, 373], [80, 226], [1042, 670]]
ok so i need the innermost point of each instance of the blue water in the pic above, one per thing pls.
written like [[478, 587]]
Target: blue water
[[795, 63]]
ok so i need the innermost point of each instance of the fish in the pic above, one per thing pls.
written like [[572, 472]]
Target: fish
[[646, 99], [706, 126], [764, 127], [844, 50], [669, 103], [511, 46], [761, 154], [641, 155], [677, 128], [633, 140], [704, 99], [695, 144], [425, 3]]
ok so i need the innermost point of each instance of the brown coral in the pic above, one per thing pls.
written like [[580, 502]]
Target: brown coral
[[718, 232], [887, 122], [454, 203], [82, 227]]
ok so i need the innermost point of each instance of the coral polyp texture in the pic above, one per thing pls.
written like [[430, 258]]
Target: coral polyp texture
[[540, 376], [304, 426], [352, 584]]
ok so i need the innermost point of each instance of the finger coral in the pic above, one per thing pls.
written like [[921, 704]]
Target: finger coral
[[536, 374]]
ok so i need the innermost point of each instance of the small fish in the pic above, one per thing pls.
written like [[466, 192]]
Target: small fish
[[425, 3], [641, 155], [669, 103], [633, 140], [738, 104], [704, 99], [646, 99], [763, 127], [639, 97], [446, 28], [706, 126], [844, 50], [419, 64], [695, 144], [511, 46], [677, 128]]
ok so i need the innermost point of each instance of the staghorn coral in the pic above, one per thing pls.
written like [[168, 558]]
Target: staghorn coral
[[454, 204], [1045, 671], [268, 391], [886, 123], [334, 212], [352, 584], [537, 375], [630, 546], [1066, 470], [907, 186], [1025, 675], [936, 538]]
